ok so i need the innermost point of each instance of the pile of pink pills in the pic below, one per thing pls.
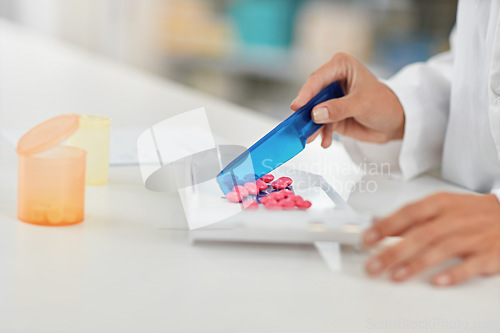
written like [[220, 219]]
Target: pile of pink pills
[[273, 194]]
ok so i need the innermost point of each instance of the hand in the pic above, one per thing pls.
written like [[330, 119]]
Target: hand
[[436, 229], [369, 111]]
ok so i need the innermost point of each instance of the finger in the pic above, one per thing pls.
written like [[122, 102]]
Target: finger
[[492, 264], [327, 136], [314, 135], [466, 270], [403, 219], [335, 110], [452, 246], [413, 244], [334, 70], [350, 127]]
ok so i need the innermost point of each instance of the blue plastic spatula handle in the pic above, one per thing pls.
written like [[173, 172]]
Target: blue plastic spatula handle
[[278, 146], [302, 118]]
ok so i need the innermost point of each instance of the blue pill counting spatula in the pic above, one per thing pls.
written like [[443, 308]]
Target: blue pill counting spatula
[[278, 146]]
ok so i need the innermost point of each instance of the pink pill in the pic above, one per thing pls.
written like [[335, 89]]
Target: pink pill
[[278, 185], [298, 199], [271, 201], [250, 204], [252, 188], [304, 205], [288, 193], [241, 190], [278, 195], [287, 204], [234, 197], [286, 180], [263, 200], [261, 185], [267, 178], [273, 206]]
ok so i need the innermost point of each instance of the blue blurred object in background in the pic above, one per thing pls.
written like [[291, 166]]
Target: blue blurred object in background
[[398, 50], [265, 22]]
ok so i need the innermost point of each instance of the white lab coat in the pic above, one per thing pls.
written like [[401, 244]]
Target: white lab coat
[[452, 107]]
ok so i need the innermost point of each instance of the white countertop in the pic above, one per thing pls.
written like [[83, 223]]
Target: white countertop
[[129, 267]]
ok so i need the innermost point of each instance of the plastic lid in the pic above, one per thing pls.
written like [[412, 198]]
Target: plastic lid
[[48, 134]]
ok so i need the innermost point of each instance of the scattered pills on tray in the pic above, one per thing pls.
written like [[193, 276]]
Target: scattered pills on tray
[[272, 194], [298, 199], [286, 180], [252, 188], [277, 195], [287, 204], [264, 199], [250, 204], [272, 204], [233, 197], [261, 185], [267, 178], [241, 190], [278, 185], [304, 205]]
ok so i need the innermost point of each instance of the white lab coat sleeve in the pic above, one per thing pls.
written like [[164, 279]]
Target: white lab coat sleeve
[[496, 192], [423, 90]]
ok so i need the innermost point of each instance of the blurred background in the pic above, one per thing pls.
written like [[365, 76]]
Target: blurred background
[[256, 53]]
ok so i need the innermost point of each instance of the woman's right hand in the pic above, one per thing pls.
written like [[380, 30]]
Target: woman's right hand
[[369, 111]]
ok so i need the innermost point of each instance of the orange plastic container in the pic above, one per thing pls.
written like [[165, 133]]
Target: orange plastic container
[[51, 179]]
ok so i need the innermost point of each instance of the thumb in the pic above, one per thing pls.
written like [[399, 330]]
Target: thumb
[[339, 68], [333, 110]]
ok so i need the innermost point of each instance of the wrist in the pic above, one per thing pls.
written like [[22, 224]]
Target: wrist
[[397, 114]]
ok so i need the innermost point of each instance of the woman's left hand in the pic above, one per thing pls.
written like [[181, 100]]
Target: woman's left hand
[[438, 228]]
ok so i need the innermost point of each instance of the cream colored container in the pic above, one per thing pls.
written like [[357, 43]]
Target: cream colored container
[[51, 177], [93, 137]]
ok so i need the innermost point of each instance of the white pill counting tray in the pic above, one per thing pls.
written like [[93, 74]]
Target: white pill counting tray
[[329, 219], [211, 217], [294, 227]]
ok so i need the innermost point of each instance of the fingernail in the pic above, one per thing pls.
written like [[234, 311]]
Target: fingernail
[[400, 273], [320, 114], [371, 236], [374, 266], [442, 280], [293, 102]]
